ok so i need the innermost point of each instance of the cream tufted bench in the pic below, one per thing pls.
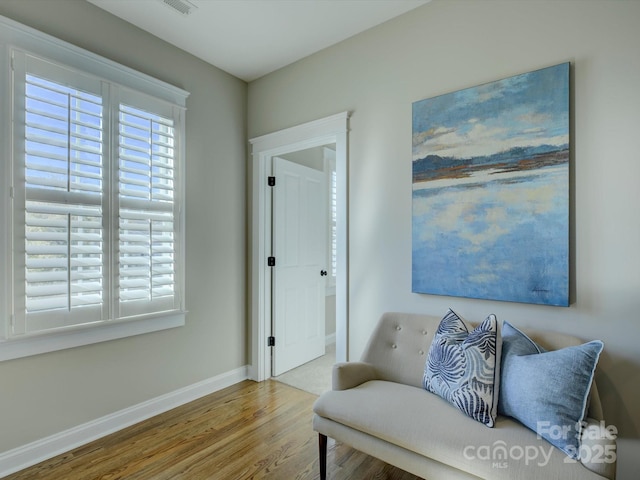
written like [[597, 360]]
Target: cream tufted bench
[[379, 407]]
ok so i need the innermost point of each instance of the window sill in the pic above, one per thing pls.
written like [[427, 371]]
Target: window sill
[[35, 345]]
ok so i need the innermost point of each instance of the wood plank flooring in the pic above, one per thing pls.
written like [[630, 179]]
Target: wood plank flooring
[[247, 431]]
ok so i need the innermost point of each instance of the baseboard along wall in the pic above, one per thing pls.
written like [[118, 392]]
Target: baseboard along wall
[[33, 453]]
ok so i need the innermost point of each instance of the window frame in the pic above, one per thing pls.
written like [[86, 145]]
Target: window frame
[[15, 36]]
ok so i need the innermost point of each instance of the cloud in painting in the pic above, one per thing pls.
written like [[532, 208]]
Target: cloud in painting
[[526, 111], [481, 139]]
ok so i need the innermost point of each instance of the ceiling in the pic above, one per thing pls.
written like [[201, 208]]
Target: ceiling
[[250, 38]]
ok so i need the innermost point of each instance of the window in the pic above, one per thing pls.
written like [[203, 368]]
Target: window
[[95, 210], [334, 220], [330, 168]]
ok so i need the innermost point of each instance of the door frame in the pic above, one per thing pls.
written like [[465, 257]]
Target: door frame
[[328, 130]]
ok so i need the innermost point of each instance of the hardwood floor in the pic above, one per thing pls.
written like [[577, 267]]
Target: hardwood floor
[[247, 431]]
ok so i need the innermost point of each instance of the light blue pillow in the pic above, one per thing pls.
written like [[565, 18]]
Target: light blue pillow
[[547, 391], [463, 367]]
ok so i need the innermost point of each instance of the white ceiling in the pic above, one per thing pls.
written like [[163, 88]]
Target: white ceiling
[[250, 38]]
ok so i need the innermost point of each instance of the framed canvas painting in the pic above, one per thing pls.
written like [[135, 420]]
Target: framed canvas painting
[[490, 204]]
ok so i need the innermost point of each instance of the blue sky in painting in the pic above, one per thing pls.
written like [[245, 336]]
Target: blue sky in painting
[[525, 110]]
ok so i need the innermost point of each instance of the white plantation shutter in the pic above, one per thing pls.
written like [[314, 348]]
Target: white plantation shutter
[[332, 220], [333, 210], [63, 256], [97, 232], [60, 274], [146, 196]]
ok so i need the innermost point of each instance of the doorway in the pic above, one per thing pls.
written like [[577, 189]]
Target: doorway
[[328, 131], [299, 246]]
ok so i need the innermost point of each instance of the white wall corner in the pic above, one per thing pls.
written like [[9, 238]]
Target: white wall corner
[[28, 455]]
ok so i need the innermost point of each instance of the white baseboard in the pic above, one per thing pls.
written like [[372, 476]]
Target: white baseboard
[[330, 339], [25, 456]]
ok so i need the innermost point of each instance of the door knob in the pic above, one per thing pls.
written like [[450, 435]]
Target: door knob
[[323, 273]]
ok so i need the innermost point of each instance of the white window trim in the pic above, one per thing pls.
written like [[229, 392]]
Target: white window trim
[[16, 35]]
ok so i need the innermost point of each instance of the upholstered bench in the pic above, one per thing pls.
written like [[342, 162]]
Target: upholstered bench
[[379, 406]]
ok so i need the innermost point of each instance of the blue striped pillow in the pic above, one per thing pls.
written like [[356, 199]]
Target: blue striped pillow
[[463, 367]]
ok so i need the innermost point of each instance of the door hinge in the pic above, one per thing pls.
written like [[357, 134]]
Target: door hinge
[[271, 261], [271, 342], [271, 181]]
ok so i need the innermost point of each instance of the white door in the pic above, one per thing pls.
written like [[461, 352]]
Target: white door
[[299, 247]]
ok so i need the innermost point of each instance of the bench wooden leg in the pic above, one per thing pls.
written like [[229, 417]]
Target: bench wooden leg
[[322, 444]]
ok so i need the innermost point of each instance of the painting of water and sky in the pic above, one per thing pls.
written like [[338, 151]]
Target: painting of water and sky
[[491, 190]]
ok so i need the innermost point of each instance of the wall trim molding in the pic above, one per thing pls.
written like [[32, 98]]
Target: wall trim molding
[[32, 453]]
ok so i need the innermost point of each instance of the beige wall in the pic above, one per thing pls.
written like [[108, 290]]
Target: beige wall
[[330, 315], [439, 48], [48, 393], [311, 157], [449, 45]]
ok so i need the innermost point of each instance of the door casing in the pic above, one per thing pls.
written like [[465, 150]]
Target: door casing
[[329, 130]]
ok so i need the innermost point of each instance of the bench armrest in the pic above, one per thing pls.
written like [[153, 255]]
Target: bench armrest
[[598, 448], [347, 375]]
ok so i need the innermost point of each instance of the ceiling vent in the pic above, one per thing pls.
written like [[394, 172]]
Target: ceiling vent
[[181, 6]]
